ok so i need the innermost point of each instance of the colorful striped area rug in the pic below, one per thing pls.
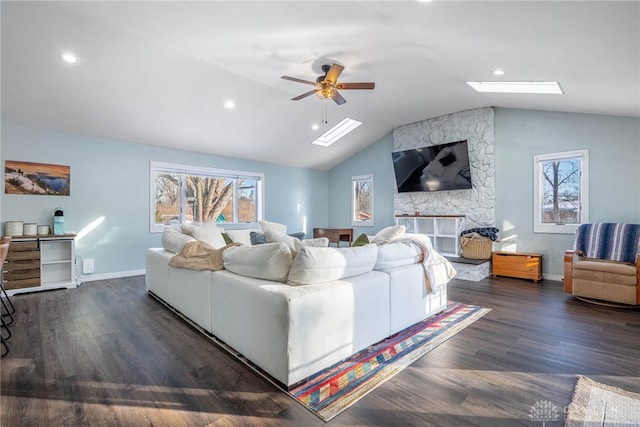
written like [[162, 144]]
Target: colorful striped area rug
[[334, 389]]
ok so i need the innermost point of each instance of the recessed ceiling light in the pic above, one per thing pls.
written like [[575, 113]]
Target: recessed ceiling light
[[498, 72], [549, 88], [68, 57], [337, 132], [229, 104], [315, 126]]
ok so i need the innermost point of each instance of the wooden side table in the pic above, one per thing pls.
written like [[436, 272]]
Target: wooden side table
[[521, 265], [335, 235]]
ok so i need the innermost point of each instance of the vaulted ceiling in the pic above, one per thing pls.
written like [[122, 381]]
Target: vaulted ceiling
[[159, 73]]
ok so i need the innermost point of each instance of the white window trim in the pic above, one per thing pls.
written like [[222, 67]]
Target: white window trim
[[538, 225], [355, 222], [154, 166]]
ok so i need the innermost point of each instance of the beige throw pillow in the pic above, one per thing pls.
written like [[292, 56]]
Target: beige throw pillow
[[207, 232], [272, 226], [387, 234]]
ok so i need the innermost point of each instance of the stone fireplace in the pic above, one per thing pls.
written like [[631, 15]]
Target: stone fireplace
[[476, 204]]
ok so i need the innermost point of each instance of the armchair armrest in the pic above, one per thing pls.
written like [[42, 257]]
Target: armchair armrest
[[568, 270]]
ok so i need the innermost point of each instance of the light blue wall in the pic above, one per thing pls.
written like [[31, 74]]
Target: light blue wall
[[376, 160], [110, 179], [614, 172], [614, 150]]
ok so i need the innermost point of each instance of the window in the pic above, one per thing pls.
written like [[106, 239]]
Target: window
[[182, 194], [362, 200], [561, 191]]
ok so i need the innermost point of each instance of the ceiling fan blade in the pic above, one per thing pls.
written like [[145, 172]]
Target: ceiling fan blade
[[293, 79], [355, 85], [333, 73], [338, 98], [304, 95]]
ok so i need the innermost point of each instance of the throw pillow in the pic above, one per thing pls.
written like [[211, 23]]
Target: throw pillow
[[273, 226], [387, 234], [207, 232], [242, 235], [299, 235], [275, 237], [174, 240], [361, 240], [257, 238], [228, 240], [319, 242]]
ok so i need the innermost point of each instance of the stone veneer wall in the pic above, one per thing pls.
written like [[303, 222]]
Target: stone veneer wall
[[478, 203]]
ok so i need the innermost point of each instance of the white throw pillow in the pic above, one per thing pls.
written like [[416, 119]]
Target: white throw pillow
[[174, 240], [290, 241], [273, 226], [319, 242], [207, 232], [241, 236], [389, 233], [316, 265], [269, 261]]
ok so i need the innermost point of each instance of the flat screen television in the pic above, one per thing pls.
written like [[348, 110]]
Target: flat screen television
[[435, 168]]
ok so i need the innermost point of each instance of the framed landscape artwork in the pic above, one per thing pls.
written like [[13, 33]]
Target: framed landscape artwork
[[36, 178]]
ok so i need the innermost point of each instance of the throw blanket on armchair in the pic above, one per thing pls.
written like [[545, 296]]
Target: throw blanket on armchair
[[437, 269], [610, 241], [200, 256]]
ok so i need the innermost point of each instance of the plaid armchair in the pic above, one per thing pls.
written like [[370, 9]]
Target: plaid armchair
[[604, 263]]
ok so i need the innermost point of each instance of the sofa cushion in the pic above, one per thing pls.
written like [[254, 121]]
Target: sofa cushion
[[207, 232], [605, 271], [316, 265], [387, 234], [273, 226], [242, 236], [397, 254], [174, 240], [270, 261]]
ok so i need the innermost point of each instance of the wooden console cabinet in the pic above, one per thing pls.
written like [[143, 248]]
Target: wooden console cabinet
[[39, 263], [520, 265]]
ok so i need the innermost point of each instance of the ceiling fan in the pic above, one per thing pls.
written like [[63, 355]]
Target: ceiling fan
[[327, 85]]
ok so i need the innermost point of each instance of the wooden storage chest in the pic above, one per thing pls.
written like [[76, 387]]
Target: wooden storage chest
[[520, 265]]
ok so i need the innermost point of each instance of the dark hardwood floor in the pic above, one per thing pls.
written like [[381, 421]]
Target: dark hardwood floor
[[108, 354]]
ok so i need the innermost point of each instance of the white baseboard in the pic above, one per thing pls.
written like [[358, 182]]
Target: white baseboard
[[107, 276], [556, 277]]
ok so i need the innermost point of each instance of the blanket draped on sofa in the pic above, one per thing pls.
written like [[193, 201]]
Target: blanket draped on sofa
[[437, 269], [199, 255]]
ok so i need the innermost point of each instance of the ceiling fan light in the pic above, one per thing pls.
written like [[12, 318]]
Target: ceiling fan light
[[326, 92]]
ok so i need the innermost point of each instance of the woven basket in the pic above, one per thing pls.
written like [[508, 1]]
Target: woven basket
[[476, 248]]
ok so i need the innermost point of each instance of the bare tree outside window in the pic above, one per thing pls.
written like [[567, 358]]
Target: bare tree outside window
[[561, 191], [205, 195], [362, 200]]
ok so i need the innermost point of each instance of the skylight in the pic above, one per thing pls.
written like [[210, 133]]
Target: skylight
[[337, 132], [551, 88]]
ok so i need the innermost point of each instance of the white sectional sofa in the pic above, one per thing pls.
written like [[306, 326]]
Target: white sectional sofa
[[332, 303]]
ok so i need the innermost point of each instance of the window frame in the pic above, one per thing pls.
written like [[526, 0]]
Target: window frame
[[538, 191], [182, 169], [356, 222]]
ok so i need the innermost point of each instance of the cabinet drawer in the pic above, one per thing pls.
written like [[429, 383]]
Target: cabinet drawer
[[25, 264], [21, 283], [22, 274], [31, 245], [23, 255]]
